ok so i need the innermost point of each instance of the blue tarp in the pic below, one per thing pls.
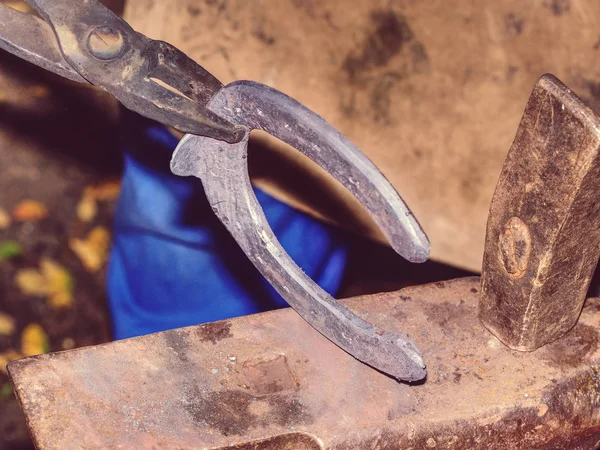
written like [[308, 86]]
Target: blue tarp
[[173, 263]]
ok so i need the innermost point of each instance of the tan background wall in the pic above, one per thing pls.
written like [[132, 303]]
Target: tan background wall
[[432, 91]]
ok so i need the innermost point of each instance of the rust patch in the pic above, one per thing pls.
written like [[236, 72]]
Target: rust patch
[[400, 315], [194, 10], [572, 349], [419, 57], [269, 376], [388, 54], [214, 331], [514, 24], [221, 5], [308, 7], [445, 314], [557, 7], [234, 412], [176, 340], [263, 36], [511, 72], [381, 101], [456, 376], [390, 33]]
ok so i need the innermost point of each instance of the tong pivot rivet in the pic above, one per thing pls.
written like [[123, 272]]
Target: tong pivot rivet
[[105, 43]]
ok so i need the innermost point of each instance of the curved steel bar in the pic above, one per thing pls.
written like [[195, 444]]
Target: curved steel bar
[[223, 169], [150, 77]]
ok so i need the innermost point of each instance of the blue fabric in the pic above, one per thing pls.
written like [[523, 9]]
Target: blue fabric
[[173, 263]]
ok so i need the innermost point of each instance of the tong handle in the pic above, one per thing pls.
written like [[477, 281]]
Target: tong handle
[[150, 77]]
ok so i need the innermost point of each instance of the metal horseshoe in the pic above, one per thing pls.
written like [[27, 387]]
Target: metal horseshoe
[[223, 169]]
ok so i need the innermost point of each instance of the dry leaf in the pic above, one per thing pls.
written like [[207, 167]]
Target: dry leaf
[[59, 282], [99, 237], [108, 190], [8, 356], [34, 340], [29, 211], [61, 299], [7, 324], [87, 208], [4, 219], [9, 249], [6, 390], [93, 251], [38, 91], [68, 343], [52, 281], [32, 282]]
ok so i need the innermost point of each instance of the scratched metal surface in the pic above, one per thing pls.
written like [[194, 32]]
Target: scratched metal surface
[[270, 381], [543, 241]]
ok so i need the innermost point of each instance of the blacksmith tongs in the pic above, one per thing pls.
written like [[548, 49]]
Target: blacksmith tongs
[[84, 41]]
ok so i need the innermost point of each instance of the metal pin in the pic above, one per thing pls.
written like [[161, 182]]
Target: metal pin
[[106, 43]]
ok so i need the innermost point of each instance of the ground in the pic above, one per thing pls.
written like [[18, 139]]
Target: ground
[[58, 145]]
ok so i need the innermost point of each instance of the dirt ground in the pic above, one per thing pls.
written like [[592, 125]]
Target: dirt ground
[[55, 141]]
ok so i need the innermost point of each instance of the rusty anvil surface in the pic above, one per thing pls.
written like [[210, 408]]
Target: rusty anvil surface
[[269, 381]]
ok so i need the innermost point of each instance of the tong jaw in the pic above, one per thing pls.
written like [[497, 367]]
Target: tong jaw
[[223, 170]]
